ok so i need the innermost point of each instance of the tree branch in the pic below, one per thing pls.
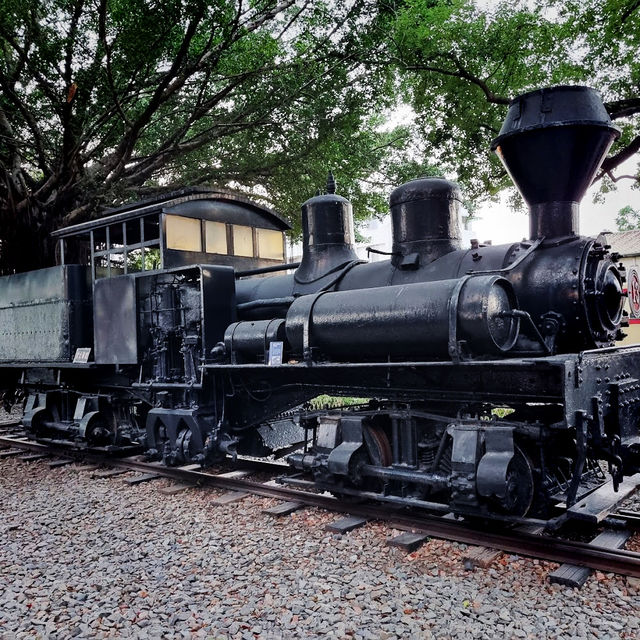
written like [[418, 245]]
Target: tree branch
[[76, 214], [616, 160], [46, 87], [163, 90], [31, 123], [461, 73], [102, 34], [202, 109], [626, 14], [623, 108], [73, 29], [293, 19], [173, 80], [12, 172], [622, 177], [256, 23], [69, 150]]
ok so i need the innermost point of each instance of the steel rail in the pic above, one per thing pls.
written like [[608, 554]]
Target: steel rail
[[538, 546], [10, 424], [105, 458]]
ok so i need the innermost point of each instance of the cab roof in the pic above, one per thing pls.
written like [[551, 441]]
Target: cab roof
[[162, 202]]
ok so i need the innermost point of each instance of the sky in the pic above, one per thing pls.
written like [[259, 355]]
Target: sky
[[500, 224], [497, 222]]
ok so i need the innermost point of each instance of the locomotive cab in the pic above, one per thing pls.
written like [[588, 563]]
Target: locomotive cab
[[191, 226]]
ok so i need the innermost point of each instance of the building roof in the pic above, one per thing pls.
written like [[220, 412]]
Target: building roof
[[626, 243], [165, 201]]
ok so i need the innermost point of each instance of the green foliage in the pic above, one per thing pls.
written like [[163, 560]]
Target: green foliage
[[502, 412], [107, 102], [461, 61], [628, 218], [335, 402], [151, 260]]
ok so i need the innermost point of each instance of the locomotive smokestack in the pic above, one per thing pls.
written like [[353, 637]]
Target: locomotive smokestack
[[552, 143], [327, 235], [424, 215]]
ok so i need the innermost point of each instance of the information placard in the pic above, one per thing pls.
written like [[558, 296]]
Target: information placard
[[275, 353], [82, 354]]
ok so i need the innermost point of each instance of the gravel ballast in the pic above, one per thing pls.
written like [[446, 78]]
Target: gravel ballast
[[84, 558]]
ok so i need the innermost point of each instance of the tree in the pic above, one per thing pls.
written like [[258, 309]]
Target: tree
[[461, 63], [628, 219], [106, 101]]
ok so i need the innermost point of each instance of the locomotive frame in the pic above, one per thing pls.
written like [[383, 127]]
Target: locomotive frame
[[193, 359]]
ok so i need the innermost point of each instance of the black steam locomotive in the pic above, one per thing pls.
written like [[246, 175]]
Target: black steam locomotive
[[489, 380]]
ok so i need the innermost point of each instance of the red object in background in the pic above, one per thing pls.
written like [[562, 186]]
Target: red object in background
[[634, 292]]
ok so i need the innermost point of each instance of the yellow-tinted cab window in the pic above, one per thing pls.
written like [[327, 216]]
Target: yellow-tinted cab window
[[242, 241], [216, 237], [183, 234], [270, 244]]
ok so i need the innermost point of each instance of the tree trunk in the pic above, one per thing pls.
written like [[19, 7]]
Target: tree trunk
[[25, 240]]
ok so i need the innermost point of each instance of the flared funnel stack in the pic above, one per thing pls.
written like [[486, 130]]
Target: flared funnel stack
[[552, 143]]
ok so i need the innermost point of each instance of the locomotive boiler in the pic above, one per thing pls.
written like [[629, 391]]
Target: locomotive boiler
[[487, 380]]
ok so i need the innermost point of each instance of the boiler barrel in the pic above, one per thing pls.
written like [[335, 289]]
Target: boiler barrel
[[412, 321]]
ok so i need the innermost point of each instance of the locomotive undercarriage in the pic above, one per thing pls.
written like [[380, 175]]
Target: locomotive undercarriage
[[167, 425], [82, 407], [451, 436], [109, 421], [444, 436], [480, 466]]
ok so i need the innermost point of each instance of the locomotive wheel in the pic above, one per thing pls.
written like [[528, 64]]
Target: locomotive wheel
[[377, 451], [378, 446], [520, 486], [36, 421], [98, 434], [8, 400], [183, 445], [95, 431]]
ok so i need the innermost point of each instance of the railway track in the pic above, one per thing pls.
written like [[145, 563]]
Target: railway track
[[517, 540]]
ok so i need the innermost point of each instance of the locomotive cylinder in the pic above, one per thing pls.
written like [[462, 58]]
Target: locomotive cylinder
[[407, 321], [424, 218], [250, 340]]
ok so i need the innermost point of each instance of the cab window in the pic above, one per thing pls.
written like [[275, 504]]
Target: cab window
[[242, 241], [216, 237], [270, 244], [183, 234]]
